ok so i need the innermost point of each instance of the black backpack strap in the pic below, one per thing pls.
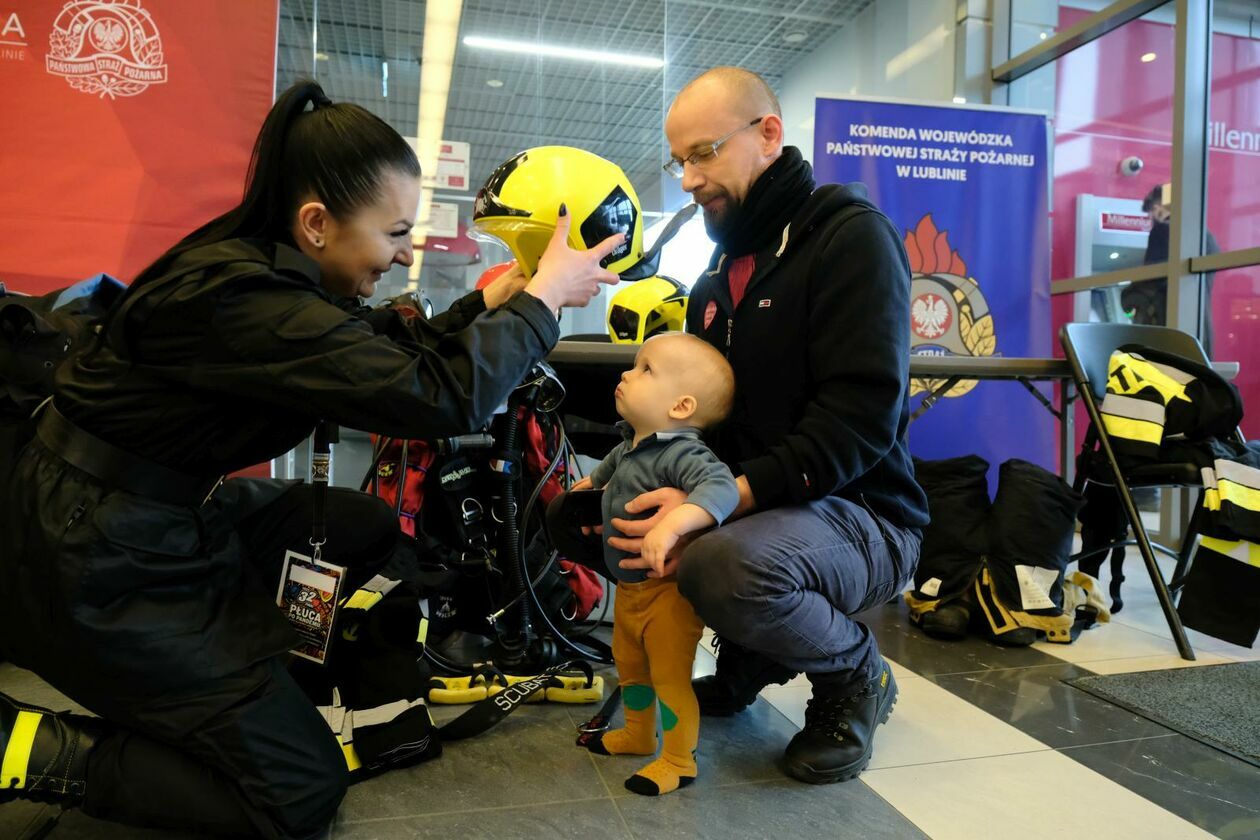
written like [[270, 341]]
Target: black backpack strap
[[597, 725]]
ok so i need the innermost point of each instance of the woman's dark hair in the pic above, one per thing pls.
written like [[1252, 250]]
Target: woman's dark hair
[[337, 152]]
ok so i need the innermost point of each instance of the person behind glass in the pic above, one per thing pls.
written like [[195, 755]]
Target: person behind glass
[[807, 294], [1147, 302], [147, 596], [678, 387]]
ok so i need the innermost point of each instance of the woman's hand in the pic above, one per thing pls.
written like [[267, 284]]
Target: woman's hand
[[566, 277], [502, 288]]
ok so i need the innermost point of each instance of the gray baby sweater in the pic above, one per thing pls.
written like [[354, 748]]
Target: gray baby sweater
[[676, 458]]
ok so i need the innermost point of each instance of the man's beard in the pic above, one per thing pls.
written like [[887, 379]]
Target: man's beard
[[719, 224]]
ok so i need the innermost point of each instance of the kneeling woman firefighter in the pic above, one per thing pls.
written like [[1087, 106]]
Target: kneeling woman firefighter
[[137, 588]]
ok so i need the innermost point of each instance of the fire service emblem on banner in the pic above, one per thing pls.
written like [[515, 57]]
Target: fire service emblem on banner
[[106, 47], [948, 314]]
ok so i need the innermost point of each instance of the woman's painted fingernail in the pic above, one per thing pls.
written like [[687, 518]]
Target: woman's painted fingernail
[[564, 211]]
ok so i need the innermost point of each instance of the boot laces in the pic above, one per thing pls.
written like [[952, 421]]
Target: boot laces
[[831, 716]]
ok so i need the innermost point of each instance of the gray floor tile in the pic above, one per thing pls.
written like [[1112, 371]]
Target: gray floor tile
[[778, 808], [528, 758], [907, 645], [75, 826], [742, 748], [23, 685], [576, 820], [1038, 703], [17, 819], [1215, 791]]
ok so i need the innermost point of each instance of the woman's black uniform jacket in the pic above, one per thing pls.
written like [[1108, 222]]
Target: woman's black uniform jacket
[[225, 361]]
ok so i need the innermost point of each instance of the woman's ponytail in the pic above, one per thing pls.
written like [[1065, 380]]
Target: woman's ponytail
[[336, 152]]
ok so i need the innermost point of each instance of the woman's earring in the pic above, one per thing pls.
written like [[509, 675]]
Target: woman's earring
[[319, 243]]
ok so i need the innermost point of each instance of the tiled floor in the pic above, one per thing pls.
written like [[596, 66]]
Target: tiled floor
[[985, 742]]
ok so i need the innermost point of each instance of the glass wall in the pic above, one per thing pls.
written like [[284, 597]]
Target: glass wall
[[1236, 327], [1114, 199], [1113, 196], [1233, 202], [1111, 106]]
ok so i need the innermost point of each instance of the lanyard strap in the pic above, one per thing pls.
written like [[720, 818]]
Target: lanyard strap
[[326, 434]]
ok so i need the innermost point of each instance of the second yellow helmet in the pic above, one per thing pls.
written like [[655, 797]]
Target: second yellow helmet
[[638, 312]]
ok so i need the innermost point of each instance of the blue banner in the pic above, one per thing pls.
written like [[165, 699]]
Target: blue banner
[[967, 189]]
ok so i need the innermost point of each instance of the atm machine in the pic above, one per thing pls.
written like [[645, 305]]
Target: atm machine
[[1111, 234]]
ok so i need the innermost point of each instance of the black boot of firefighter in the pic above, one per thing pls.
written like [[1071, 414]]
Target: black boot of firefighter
[[44, 754], [948, 621], [740, 677], [839, 732]]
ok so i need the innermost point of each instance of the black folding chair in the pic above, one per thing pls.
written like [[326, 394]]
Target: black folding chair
[[1088, 348]]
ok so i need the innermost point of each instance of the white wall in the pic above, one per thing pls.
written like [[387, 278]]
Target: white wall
[[895, 48]]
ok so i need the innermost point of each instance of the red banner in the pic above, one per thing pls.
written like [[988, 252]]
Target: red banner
[[124, 124]]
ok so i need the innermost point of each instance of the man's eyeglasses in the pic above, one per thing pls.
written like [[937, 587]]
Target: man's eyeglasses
[[704, 154]]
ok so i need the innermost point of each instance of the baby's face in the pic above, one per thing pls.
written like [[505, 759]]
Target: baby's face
[[652, 387]]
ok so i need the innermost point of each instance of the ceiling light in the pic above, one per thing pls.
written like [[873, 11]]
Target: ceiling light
[[795, 37], [1115, 255], [321, 56], [1148, 58], [495, 83], [1044, 35], [960, 100], [441, 28], [556, 51]]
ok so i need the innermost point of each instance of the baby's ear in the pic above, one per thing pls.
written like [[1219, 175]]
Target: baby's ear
[[684, 408]]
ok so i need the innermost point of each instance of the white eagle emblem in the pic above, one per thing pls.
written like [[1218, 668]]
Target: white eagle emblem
[[106, 48], [931, 316]]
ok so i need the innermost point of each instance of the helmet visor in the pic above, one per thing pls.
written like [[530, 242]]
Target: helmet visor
[[624, 323]]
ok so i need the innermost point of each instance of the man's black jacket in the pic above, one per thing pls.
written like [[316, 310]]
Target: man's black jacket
[[820, 344]]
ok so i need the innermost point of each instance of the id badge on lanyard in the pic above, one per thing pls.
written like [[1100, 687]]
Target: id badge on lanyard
[[309, 591]]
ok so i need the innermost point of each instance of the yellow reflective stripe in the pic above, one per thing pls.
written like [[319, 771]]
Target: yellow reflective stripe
[[1211, 499], [1238, 473], [1141, 374], [1238, 494], [352, 758], [1139, 430], [364, 599], [1242, 551], [423, 633], [18, 753]]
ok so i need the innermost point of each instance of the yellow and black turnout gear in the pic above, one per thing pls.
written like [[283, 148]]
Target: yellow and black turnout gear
[[1161, 408], [1005, 563]]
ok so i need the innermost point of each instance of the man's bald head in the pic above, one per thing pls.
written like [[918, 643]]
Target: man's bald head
[[737, 108], [739, 92]]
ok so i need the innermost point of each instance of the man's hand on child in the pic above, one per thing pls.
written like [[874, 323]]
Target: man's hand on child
[[664, 500]]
